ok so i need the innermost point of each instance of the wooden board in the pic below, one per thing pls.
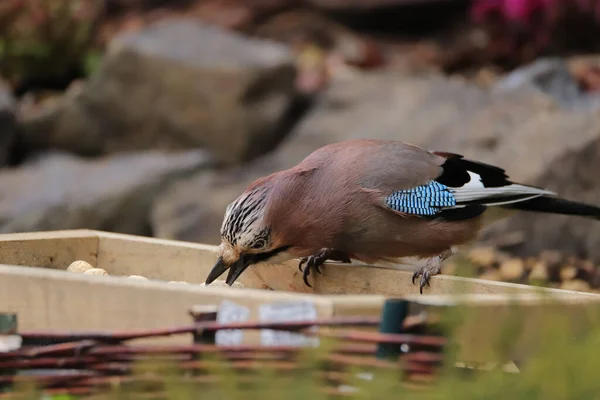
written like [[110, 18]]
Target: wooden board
[[182, 261], [55, 249], [46, 299]]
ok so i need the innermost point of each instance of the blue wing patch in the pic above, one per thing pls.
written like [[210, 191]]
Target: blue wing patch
[[421, 200]]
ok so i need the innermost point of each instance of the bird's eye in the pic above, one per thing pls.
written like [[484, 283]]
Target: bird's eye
[[259, 244]]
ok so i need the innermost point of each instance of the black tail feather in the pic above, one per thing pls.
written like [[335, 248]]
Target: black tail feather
[[556, 205]]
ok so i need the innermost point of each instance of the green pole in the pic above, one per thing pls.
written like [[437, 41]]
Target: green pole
[[392, 317], [8, 327]]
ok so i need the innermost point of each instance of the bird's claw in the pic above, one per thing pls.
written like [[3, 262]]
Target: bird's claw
[[426, 273], [433, 267], [312, 262], [316, 261]]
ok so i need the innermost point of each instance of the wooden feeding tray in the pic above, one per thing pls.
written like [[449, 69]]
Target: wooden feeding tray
[[48, 297], [169, 260]]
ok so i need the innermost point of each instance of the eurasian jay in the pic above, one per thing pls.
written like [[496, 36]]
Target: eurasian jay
[[372, 201]]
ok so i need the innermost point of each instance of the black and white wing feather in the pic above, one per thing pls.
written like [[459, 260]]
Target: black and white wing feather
[[473, 182], [464, 189]]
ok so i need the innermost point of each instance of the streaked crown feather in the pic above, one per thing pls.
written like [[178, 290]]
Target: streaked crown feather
[[243, 223]]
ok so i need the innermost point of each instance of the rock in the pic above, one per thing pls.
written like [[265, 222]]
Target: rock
[[573, 176], [552, 257], [178, 84], [179, 213], [59, 191], [79, 266], [577, 285], [525, 131], [539, 272], [483, 256], [8, 126], [95, 271], [553, 77], [512, 269], [137, 278], [568, 272], [223, 284], [491, 275]]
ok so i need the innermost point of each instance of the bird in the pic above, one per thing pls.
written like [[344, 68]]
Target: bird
[[374, 201]]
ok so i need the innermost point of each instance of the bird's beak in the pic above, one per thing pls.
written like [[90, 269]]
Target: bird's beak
[[216, 271], [235, 269]]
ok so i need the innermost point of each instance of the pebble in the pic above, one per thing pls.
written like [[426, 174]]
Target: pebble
[[568, 272], [576, 285], [95, 271], [552, 257], [539, 271], [512, 269], [491, 275], [79, 266], [484, 256], [138, 277], [224, 284]]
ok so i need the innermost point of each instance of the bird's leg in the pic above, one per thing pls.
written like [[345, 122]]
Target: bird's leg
[[318, 259], [432, 267]]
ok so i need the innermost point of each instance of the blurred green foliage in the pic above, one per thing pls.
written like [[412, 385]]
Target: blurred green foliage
[[562, 365], [47, 39]]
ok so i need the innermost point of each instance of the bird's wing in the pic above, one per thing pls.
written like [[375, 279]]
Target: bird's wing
[[437, 184], [473, 182]]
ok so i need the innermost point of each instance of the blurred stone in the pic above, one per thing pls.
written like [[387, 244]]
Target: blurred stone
[[8, 126], [79, 266], [553, 77], [484, 256], [178, 84], [137, 277], [95, 271], [450, 268], [58, 191], [539, 272], [568, 272], [491, 275], [574, 176], [193, 208], [552, 257], [524, 131], [577, 285], [587, 266], [512, 269], [221, 283], [301, 27]]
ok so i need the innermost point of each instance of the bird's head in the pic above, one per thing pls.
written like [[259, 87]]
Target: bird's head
[[247, 237]]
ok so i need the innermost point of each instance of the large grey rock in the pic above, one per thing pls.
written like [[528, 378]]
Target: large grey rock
[[553, 77], [192, 209], [178, 84], [60, 191], [574, 175], [523, 130], [8, 128]]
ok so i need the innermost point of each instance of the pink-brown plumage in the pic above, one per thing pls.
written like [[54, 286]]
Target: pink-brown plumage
[[331, 200]]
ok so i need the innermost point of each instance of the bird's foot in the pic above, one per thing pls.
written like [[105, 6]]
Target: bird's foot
[[315, 261], [425, 273], [433, 267]]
